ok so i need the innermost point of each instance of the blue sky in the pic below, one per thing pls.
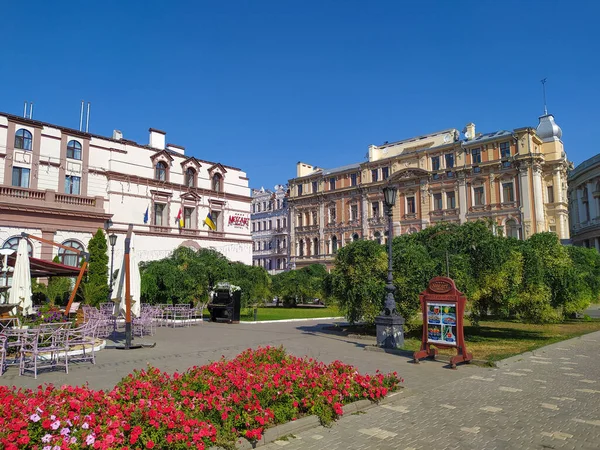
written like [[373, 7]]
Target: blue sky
[[263, 84]]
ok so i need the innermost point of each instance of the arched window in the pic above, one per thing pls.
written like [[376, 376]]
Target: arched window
[[217, 182], [301, 248], [13, 243], [68, 257], [316, 246], [308, 252], [377, 237], [160, 172], [23, 139], [355, 237], [74, 150], [190, 177], [334, 244], [512, 230]]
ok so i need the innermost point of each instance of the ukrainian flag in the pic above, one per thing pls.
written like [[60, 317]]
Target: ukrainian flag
[[209, 221]]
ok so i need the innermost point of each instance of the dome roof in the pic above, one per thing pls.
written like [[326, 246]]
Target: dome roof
[[547, 129]]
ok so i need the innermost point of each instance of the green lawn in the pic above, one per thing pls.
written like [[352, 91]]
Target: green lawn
[[495, 340], [281, 313]]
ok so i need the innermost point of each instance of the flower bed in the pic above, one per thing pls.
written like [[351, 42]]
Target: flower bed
[[214, 404]]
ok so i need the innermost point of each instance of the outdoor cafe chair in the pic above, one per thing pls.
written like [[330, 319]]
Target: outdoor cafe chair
[[3, 341], [40, 351], [83, 338]]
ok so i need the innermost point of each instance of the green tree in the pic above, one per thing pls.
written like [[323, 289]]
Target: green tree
[[358, 280], [95, 290]]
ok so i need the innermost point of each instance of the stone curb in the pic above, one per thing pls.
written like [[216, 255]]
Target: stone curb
[[308, 422], [520, 356], [291, 320], [441, 358]]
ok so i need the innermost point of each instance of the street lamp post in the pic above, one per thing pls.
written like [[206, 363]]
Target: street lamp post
[[113, 241], [389, 324]]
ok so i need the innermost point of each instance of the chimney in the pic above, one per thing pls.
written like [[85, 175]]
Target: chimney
[[157, 139], [117, 135], [176, 148], [470, 133]]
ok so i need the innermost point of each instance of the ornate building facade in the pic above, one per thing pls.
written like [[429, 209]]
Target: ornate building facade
[[270, 229], [518, 179], [584, 203], [62, 184]]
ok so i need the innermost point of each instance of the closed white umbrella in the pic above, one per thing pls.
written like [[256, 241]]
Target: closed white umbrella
[[136, 282], [20, 291]]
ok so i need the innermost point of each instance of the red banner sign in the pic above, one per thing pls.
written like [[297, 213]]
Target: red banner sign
[[239, 221]]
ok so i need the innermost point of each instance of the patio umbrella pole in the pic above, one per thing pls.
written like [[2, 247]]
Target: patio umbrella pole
[[128, 345]]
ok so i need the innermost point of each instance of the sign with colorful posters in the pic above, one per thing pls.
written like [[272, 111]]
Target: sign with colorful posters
[[443, 308], [441, 323]]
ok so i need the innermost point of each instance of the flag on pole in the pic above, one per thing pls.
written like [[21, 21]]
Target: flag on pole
[[209, 221], [146, 214], [179, 219]]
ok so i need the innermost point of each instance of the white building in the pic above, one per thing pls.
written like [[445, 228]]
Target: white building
[[62, 185]]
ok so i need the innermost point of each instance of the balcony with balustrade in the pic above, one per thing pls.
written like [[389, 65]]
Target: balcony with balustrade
[[48, 199]]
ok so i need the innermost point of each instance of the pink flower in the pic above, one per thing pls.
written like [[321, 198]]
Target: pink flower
[[35, 418], [55, 425], [90, 439]]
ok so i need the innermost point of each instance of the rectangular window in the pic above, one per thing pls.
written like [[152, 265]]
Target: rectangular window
[[410, 205], [299, 224], [278, 223], [504, 149], [315, 187], [385, 172], [258, 207], [353, 212], [435, 163], [449, 160], [353, 178], [253, 226], [332, 217], [315, 221], [159, 210], [476, 155], [20, 177], [507, 192], [478, 196], [284, 222], [375, 175], [270, 224], [375, 209], [216, 217], [550, 194], [450, 200], [188, 217], [299, 189], [437, 202], [72, 185], [332, 184]]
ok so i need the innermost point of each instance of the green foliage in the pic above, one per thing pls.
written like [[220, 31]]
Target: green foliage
[[537, 281], [300, 286], [357, 281], [95, 289]]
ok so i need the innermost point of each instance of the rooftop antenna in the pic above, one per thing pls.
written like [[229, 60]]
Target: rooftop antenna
[[544, 90], [25, 110], [87, 121], [31, 110], [81, 116]]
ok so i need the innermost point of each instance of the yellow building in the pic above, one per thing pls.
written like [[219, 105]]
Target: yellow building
[[516, 178]]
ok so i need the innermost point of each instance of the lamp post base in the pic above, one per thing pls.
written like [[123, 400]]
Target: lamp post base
[[390, 331]]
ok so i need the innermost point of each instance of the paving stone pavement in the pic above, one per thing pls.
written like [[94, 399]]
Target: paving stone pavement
[[547, 399]]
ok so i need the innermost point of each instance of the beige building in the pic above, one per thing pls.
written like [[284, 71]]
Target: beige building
[[584, 203], [517, 178]]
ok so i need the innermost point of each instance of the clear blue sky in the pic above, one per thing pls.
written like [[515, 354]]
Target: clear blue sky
[[263, 84]]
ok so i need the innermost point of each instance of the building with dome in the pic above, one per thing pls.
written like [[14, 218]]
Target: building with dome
[[584, 203], [517, 179]]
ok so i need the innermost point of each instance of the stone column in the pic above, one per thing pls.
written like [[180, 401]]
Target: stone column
[[557, 186], [592, 201], [493, 183], [581, 206], [538, 200], [462, 199], [364, 216], [525, 200], [292, 238], [322, 249]]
